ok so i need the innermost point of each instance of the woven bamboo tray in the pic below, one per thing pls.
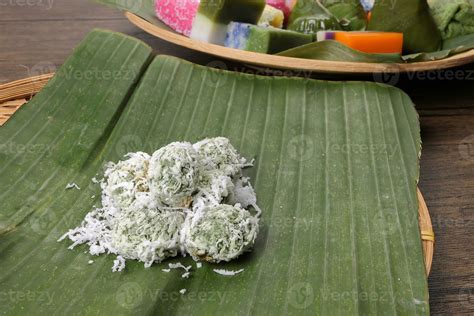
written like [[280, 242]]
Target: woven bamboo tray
[[14, 94], [162, 31]]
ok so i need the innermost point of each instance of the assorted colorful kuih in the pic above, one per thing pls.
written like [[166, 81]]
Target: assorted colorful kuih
[[365, 26]]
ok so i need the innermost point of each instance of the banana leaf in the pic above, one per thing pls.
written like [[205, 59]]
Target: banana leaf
[[310, 16], [349, 12], [454, 18], [336, 174], [410, 17], [451, 47]]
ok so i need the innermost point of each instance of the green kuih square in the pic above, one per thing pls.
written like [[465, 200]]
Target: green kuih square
[[225, 11], [273, 41], [213, 16]]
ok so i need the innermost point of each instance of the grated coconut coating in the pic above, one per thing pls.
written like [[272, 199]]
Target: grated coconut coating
[[174, 174], [176, 200], [123, 180], [219, 154], [219, 233], [214, 187], [147, 234]]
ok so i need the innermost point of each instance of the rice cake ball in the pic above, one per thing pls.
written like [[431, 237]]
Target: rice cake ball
[[219, 154], [147, 233], [219, 233], [123, 180], [174, 174]]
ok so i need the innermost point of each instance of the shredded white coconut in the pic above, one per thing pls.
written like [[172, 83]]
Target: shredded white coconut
[[179, 265], [227, 272], [119, 264], [72, 185], [244, 194], [188, 198]]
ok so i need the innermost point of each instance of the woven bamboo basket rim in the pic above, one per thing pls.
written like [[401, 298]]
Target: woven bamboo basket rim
[[14, 94]]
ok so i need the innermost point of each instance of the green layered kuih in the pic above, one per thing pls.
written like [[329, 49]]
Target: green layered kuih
[[410, 17], [275, 41], [225, 11], [335, 173]]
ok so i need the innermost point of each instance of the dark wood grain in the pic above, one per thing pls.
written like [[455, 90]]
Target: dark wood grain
[[37, 38]]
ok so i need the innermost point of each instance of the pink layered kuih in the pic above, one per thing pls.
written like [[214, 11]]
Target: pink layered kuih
[[177, 14]]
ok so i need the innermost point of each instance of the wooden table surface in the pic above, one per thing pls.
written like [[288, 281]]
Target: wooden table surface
[[36, 36]]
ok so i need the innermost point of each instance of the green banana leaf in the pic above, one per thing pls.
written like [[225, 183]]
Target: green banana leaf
[[349, 12], [143, 8], [336, 174], [451, 47], [310, 16], [454, 18], [410, 17]]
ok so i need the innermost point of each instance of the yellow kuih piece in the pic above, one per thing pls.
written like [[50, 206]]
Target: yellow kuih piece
[[271, 17]]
